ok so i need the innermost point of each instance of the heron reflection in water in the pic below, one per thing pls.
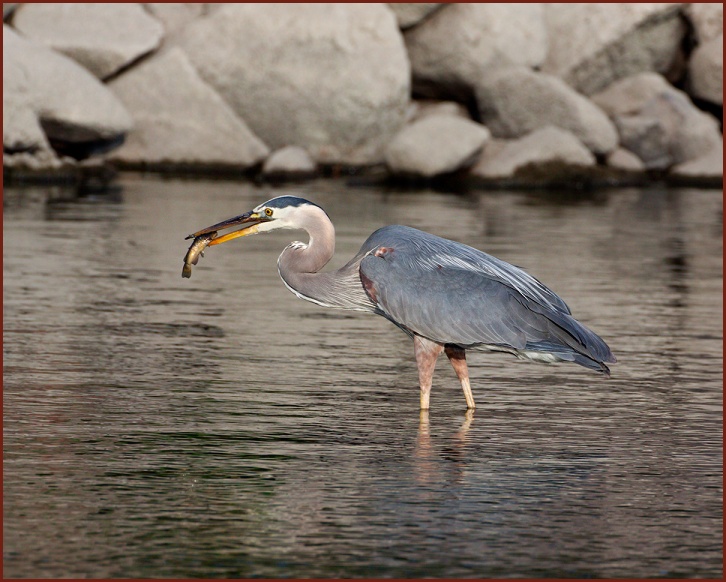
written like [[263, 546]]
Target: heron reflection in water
[[446, 296]]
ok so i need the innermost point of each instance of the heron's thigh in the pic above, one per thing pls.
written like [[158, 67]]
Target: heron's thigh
[[426, 354]]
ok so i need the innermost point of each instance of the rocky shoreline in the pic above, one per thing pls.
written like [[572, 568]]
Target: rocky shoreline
[[484, 95]]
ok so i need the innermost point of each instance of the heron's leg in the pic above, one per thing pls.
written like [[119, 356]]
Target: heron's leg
[[426, 353], [457, 357]]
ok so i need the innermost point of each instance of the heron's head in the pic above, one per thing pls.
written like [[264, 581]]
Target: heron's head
[[280, 212]]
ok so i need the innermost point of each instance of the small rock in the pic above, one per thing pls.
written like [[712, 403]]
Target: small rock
[[709, 165], [622, 159], [332, 78], [658, 122], [409, 14], [434, 145], [542, 146], [593, 45], [452, 47], [515, 101], [71, 105], [706, 71], [102, 37], [706, 18], [38, 160], [289, 163], [180, 119]]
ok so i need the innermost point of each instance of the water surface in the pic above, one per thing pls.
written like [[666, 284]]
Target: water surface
[[220, 427]]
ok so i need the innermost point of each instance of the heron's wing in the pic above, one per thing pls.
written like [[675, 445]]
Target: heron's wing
[[426, 251], [447, 305], [466, 306]]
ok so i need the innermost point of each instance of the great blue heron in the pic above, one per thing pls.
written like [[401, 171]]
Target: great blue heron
[[448, 297]]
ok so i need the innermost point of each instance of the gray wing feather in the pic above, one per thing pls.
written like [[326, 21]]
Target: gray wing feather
[[423, 250], [455, 294], [446, 305]]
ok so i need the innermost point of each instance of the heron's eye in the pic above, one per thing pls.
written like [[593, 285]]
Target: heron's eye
[[268, 211]]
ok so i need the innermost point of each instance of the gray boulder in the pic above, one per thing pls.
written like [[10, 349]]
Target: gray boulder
[[179, 119], [288, 163], [434, 145], [593, 45], [544, 146], [333, 79], [658, 122], [452, 47], [70, 104], [515, 101], [706, 18], [705, 71], [102, 37], [409, 14]]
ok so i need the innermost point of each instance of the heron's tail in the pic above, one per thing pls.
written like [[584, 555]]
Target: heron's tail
[[572, 341]]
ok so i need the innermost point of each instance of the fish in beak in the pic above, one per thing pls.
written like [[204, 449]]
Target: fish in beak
[[208, 236]]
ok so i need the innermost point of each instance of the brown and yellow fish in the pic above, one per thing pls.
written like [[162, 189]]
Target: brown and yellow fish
[[195, 251]]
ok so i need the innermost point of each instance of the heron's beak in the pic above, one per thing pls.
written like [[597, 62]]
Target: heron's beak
[[248, 217]]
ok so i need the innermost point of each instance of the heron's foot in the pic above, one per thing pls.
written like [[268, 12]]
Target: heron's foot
[[466, 387]]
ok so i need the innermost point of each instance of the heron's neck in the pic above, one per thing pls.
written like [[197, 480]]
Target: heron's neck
[[300, 263]]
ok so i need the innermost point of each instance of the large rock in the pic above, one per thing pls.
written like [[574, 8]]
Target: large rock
[[102, 37], [333, 79], [180, 119], [593, 45], [452, 47], [705, 71], [409, 14], [622, 159], [515, 101], [706, 18], [436, 144], [21, 129], [71, 105], [545, 146], [658, 122]]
